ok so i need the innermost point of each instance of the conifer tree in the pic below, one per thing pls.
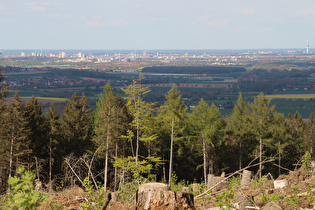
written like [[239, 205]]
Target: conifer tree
[[76, 126], [141, 112], [37, 126], [261, 116], [175, 110], [3, 86], [54, 137], [5, 146], [208, 123], [238, 123], [16, 133], [310, 135], [108, 122], [279, 132], [294, 139]]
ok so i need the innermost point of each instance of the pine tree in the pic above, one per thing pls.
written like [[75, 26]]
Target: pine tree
[[76, 126]]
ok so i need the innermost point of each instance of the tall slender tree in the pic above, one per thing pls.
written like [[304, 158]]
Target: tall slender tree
[[141, 112], [176, 110], [54, 137], [261, 117], [238, 123], [108, 121], [208, 125], [16, 133]]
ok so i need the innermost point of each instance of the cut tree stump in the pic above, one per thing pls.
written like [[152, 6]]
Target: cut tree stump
[[158, 196], [213, 180], [246, 177]]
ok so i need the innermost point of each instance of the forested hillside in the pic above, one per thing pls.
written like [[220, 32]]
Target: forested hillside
[[127, 138]]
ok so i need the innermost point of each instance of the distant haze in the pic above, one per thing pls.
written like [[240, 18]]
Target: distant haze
[[152, 24]]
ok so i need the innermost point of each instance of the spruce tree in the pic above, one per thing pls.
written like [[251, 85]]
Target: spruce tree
[[76, 126], [3, 85], [108, 122], [16, 134], [37, 126], [310, 135], [238, 124], [260, 118], [175, 112], [54, 138]]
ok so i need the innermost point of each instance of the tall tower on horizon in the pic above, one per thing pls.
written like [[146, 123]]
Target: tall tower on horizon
[[307, 47]]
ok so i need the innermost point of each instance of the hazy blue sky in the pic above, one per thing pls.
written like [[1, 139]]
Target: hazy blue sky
[[156, 24]]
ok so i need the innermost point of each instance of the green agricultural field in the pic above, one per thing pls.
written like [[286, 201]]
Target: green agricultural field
[[291, 96]]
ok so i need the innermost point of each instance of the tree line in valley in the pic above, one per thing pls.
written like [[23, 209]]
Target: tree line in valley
[[124, 138]]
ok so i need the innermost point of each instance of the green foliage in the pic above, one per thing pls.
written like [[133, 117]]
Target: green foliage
[[95, 196], [293, 200], [56, 206], [128, 190], [142, 167], [23, 195], [296, 187], [177, 185], [310, 194], [306, 161], [258, 183], [225, 198], [273, 197]]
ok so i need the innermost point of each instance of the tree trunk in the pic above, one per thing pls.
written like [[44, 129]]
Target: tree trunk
[[240, 153], [137, 146], [115, 178], [279, 160], [106, 162], [204, 158], [50, 169], [164, 171], [171, 155], [11, 161], [260, 154]]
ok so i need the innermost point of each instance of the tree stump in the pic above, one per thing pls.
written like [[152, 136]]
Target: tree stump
[[213, 180], [158, 196], [246, 177]]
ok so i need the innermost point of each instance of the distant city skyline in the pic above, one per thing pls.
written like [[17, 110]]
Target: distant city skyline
[[157, 25]]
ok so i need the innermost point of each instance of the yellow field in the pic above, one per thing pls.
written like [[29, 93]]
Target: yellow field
[[291, 96], [48, 98]]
